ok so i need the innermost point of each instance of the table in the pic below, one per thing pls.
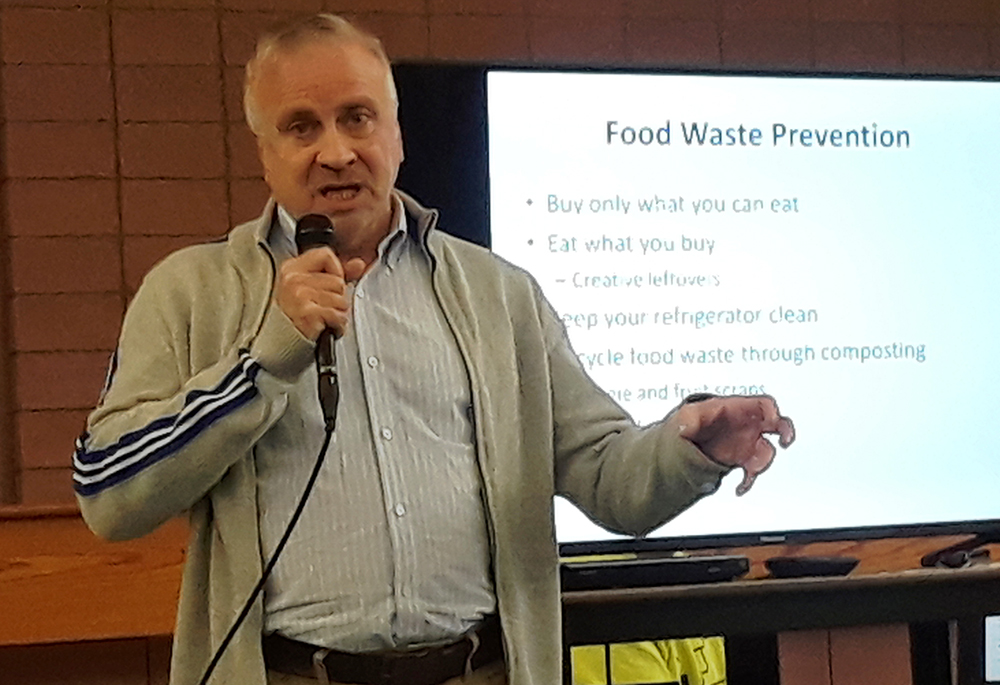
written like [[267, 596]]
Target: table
[[770, 605]]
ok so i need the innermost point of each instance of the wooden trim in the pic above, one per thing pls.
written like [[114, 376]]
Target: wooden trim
[[38, 511], [778, 605]]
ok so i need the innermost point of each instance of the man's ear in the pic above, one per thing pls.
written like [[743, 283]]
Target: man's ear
[[262, 158]]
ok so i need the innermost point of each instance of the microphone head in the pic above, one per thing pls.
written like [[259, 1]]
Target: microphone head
[[313, 230]]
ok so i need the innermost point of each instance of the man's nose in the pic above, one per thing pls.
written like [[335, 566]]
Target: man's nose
[[335, 149]]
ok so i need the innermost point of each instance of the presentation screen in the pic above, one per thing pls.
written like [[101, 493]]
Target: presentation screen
[[832, 242]]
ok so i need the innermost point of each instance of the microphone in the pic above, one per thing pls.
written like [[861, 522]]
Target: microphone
[[311, 231]]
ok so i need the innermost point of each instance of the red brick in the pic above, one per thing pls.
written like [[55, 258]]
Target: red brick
[[69, 321], [165, 4], [304, 6], [405, 36], [56, 4], [54, 36], [60, 150], [243, 159], [169, 93], [174, 208], [858, 47], [503, 7], [46, 437], [467, 37], [683, 10], [57, 92], [760, 10], [65, 265], [240, 31], [857, 10], [390, 6], [776, 45], [60, 380], [165, 37], [54, 208], [47, 486], [672, 43], [577, 8], [172, 150], [234, 93], [248, 199], [143, 252], [579, 40], [945, 49], [971, 12]]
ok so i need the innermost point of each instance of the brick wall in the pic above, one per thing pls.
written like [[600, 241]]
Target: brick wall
[[122, 140]]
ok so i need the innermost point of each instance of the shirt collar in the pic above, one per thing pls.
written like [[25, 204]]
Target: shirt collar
[[390, 250]]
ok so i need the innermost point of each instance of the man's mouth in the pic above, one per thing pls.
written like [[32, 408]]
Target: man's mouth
[[340, 192]]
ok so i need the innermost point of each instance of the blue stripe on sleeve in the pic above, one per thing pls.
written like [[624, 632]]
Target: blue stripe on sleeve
[[97, 470]]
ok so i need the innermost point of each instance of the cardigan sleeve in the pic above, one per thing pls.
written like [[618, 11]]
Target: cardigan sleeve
[[187, 395], [628, 479]]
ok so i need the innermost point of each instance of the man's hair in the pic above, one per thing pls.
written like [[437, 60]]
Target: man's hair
[[289, 37]]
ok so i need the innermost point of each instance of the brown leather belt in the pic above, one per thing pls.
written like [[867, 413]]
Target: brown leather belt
[[425, 666]]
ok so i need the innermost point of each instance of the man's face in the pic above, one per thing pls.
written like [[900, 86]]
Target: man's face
[[329, 139]]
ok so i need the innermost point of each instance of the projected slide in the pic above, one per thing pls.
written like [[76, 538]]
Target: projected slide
[[830, 242]]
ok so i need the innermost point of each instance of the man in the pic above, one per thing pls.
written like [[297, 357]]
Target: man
[[463, 412]]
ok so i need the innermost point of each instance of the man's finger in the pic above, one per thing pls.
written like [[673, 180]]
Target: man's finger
[[758, 463], [323, 283], [747, 483], [354, 269], [786, 432], [774, 422], [317, 260]]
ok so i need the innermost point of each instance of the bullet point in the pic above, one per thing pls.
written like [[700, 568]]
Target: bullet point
[[530, 202], [531, 242]]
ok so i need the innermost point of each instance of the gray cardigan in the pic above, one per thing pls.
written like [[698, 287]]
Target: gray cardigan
[[202, 369]]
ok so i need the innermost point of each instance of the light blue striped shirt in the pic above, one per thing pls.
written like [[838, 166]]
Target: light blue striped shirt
[[393, 547]]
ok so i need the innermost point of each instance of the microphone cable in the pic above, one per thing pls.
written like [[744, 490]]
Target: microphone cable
[[312, 231], [296, 515]]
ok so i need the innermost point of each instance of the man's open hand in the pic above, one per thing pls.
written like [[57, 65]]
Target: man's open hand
[[731, 431]]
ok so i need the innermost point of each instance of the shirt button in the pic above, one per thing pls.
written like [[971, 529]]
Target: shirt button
[[360, 293], [387, 433], [400, 509], [373, 361]]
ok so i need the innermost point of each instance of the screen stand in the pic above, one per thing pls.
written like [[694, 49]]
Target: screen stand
[[962, 553]]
